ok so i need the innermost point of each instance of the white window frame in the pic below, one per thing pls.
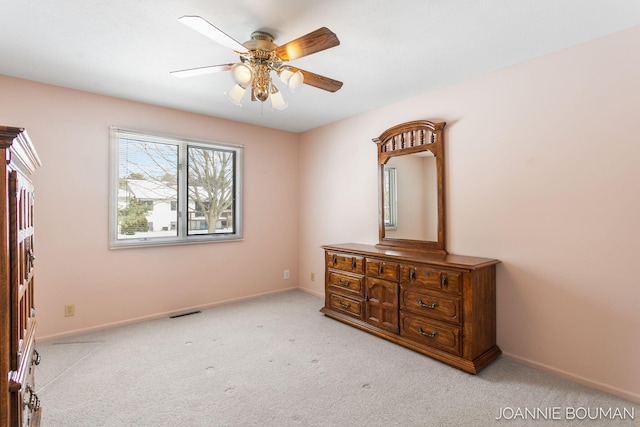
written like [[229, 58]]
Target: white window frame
[[390, 188], [182, 236]]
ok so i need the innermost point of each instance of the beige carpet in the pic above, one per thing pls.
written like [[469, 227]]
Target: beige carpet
[[276, 361]]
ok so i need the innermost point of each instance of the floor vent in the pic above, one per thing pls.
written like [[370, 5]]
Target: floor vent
[[184, 314]]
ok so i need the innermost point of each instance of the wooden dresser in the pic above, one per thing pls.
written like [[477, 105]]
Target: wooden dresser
[[408, 289], [439, 305], [19, 404]]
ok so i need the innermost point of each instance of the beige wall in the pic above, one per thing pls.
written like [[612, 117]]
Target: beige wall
[[70, 132], [543, 173]]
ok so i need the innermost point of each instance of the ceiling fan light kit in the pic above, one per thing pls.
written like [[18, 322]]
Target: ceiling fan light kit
[[242, 74], [291, 79], [277, 101], [235, 95], [259, 57]]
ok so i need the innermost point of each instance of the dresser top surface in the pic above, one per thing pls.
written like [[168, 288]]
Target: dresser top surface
[[446, 260]]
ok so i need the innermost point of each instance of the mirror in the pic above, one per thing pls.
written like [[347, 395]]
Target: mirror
[[411, 186], [411, 197]]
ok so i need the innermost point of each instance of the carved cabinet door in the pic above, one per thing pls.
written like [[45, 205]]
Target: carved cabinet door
[[25, 402], [381, 304]]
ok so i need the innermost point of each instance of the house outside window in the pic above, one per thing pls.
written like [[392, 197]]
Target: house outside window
[[172, 190]]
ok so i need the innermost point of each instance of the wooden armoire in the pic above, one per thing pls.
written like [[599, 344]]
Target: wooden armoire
[[19, 404]]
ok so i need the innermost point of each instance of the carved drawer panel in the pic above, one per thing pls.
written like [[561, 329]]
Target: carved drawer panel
[[344, 304], [381, 307], [431, 333], [436, 305], [345, 262], [345, 283], [381, 269], [431, 278]]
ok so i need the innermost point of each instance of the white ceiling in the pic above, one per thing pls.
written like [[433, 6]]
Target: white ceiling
[[389, 51]]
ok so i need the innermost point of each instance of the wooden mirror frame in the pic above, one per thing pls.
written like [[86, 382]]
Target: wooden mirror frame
[[409, 138]]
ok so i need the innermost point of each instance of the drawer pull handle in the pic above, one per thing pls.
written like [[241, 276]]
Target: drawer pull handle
[[36, 357], [33, 401], [380, 268], [353, 263], [429, 306], [427, 334], [343, 305], [444, 280], [334, 260], [345, 283]]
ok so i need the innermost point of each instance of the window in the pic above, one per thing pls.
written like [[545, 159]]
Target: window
[[171, 190], [390, 198]]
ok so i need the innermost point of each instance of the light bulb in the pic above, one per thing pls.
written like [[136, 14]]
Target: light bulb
[[277, 101], [285, 75], [235, 94], [295, 81], [242, 74]]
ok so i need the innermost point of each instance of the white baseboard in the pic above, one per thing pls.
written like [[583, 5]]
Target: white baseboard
[[160, 315], [309, 291], [625, 394]]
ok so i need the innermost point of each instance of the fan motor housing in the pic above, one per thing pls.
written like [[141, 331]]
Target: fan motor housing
[[260, 40]]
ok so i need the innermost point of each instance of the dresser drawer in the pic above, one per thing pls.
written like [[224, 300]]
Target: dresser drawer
[[344, 304], [431, 333], [381, 269], [345, 283], [345, 262], [432, 278], [436, 305]]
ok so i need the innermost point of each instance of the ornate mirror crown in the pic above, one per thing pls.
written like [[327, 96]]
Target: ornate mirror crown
[[411, 186]]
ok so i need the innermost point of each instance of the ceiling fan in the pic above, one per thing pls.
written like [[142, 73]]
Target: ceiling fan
[[259, 57]]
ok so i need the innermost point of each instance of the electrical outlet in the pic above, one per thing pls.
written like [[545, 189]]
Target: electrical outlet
[[313, 277], [286, 274], [69, 310]]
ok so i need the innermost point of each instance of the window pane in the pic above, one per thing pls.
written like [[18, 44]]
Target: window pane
[[211, 191], [147, 189]]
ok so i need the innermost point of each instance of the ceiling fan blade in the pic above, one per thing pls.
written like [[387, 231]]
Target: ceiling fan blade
[[201, 70], [318, 40], [205, 28], [316, 80]]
